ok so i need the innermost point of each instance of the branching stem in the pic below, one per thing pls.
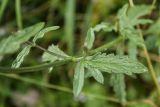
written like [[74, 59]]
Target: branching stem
[[57, 63]]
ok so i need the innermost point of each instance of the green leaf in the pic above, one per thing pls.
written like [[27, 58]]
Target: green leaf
[[103, 26], [115, 64], [117, 81], [134, 14], [51, 58], [89, 39], [13, 42], [96, 74], [138, 11], [20, 57], [42, 32], [78, 80]]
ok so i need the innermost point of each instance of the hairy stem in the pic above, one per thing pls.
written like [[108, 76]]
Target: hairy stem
[[106, 46], [45, 50]]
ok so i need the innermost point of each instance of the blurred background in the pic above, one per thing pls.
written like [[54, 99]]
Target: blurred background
[[44, 89]]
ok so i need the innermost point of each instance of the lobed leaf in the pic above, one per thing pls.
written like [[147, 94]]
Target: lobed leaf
[[58, 54], [115, 64], [20, 57], [78, 80]]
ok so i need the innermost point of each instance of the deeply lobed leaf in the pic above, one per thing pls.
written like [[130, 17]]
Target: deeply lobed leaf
[[20, 57], [115, 64], [58, 54]]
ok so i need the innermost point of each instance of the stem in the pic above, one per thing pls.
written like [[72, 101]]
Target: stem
[[150, 66], [131, 3], [153, 3], [69, 24], [65, 89], [2, 8], [18, 13], [106, 46], [34, 68], [45, 50], [60, 88], [57, 63], [17, 77]]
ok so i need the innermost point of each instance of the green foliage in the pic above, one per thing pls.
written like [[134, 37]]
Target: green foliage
[[107, 27], [129, 18], [92, 63], [115, 64], [78, 81], [134, 14]]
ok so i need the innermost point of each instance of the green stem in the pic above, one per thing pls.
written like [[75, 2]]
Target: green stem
[[153, 3], [57, 63], [45, 50], [34, 68], [106, 46], [2, 8], [60, 88], [131, 3], [65, 89], [18, 13], [69, 24]]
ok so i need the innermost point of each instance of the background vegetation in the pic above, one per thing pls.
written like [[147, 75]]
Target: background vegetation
[[54, 89]]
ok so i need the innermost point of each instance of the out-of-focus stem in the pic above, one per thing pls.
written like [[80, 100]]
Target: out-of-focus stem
[[18, 13]]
